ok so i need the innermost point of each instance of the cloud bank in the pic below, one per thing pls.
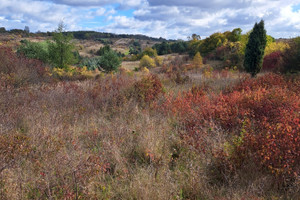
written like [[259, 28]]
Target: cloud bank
[[173, 19]]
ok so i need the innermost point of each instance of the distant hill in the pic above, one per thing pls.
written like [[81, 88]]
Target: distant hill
[[85, 35], [101, 35]]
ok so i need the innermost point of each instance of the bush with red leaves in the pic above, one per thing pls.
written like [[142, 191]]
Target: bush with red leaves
[[272, 62], [148, 88], [17, 70], [263, 113]]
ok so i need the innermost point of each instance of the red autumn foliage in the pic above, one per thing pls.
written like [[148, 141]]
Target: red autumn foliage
[[265, 110], [267, 81], [148, 88], [111, 90], [17, 70], [272, 62]]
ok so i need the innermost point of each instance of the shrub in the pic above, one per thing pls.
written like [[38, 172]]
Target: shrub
[[103, 50], [72, 73], [146, 61], [110, 61], [158, 61], [34, 50], [18, 70], [91, 63], [13, 147], [197, 61], [149, 52], [272, 62], [291, 57], [261, 119], [148, 89]]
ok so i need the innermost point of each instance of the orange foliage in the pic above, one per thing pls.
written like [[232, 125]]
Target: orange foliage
[[148, 88], [263, 112]]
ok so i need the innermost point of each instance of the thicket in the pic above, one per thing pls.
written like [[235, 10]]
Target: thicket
[[17, 70], [162, 48], [291, 57], [260, 118], [35, 50], [60, 52]]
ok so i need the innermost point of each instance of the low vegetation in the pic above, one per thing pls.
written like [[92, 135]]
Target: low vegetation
[[179, 128]]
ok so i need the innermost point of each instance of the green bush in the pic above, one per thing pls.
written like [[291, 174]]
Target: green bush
[[34, 50], [91, 63], [102, 50], [110, 61]]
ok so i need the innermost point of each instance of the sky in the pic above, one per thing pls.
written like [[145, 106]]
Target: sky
[[171, 19]]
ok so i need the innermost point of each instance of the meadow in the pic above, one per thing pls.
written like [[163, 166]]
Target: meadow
[[182, 129]]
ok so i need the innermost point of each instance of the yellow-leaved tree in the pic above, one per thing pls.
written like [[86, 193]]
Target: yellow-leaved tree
[[197, 61], [276, 46], [146, 61]]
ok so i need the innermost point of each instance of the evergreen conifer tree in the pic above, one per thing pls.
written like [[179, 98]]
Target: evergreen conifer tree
[[60, 51], [255, 49]]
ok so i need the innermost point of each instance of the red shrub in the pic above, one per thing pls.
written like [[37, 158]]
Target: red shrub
[[113, 91], [272, 62], [267, 81], [148, 89], [18, 70], [265, 111]]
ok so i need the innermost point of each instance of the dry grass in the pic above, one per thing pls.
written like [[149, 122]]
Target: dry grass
[[130, 65], [94, 139]]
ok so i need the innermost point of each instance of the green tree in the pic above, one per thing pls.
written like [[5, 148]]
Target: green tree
[[61, 50], [135, 47], [110, 61], [163, 48], [212, 42], [235, 35], [255, 48], [2, 30], [102, 50], [179, 47]]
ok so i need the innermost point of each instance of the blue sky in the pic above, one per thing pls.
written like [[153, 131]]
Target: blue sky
[[172, 19]]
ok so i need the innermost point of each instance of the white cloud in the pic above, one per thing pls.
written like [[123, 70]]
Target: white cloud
[[100, 11], [168, 18]]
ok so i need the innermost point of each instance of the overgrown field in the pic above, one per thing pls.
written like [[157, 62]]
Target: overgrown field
[[165, 134]]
